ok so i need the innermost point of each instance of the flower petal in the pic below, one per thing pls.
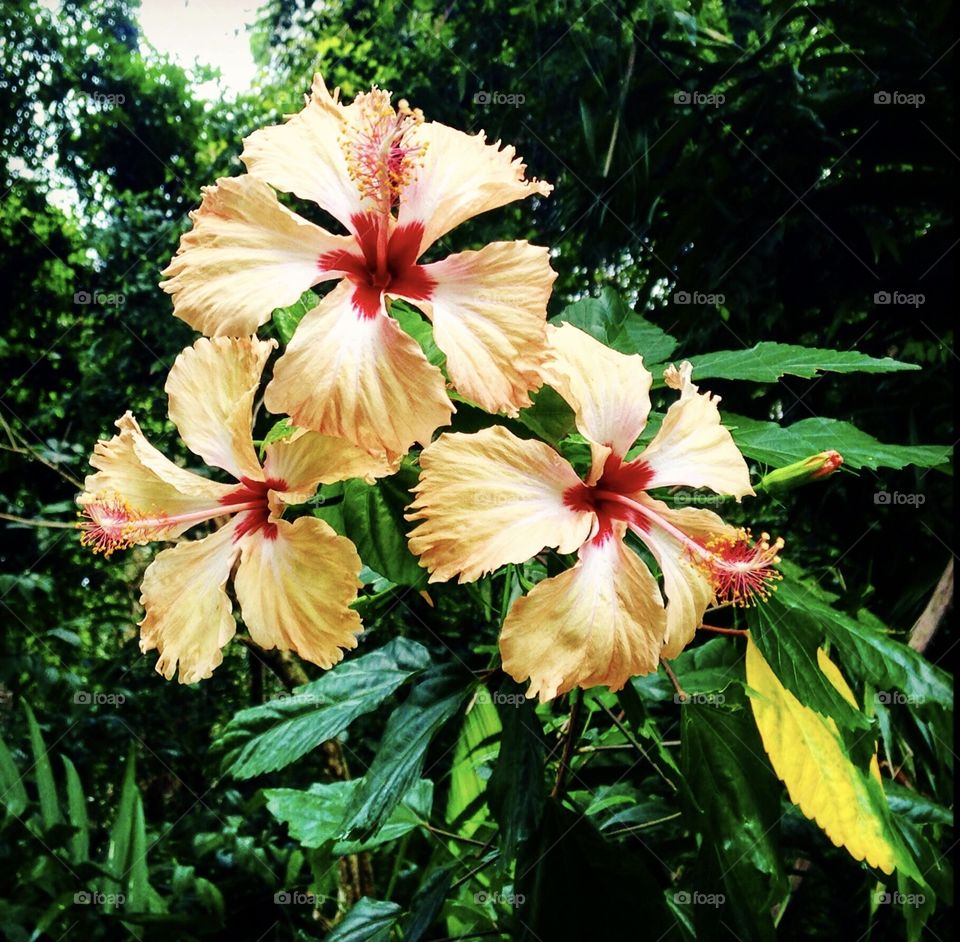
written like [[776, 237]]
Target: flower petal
[[686, 584], [305, 155], [188, 616], [599, 623], [129, 467], [608, 391], [245, 256], [489, 311], [307, 459], [359, 378], [489, 499], [211, 388], [692, 448], [295, 588], [459, 177]]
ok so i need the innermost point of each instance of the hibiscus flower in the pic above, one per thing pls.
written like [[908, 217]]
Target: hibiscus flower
[[294, 581], [490, 498], [397, 183]]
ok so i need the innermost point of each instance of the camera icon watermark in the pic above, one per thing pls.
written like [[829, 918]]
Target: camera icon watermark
[[911, 99], [95, 698], [901, 298], [698, 297], [700, 99], [113, 298], [898, 499], [486, 98]]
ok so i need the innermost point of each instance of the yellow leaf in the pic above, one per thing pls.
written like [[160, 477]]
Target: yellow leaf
[[806, 752]]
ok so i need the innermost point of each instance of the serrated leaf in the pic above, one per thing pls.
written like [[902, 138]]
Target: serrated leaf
[[286, 319], [737, 810], [779, 445], [412, 322], [270, 736], [609, 320], [43, 772], [369, 920], [373, 520], [883, 661], [767, 361], [789, 639], [314, 816], [807, 754], [403, 748]]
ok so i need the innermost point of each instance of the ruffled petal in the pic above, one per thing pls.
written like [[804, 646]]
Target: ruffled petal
[[687, 584], [305, 156], [131, 469], [188, 616], [489, 499], [245, 256], [608, 391], [307, 459], [360, 378], [692, 448], [599, 623], [489, 313], [211, 388], [295, 587], [458, 177]]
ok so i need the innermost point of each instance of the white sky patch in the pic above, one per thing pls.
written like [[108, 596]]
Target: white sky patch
[[205, 32]]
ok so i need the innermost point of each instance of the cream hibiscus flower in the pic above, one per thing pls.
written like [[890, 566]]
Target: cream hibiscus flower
[[397, 183], [490, 498], [294, 581]]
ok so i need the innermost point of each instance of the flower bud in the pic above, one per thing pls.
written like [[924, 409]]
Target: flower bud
[[802, 472]]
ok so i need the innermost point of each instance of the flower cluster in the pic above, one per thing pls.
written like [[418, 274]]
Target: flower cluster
[[359, 393]]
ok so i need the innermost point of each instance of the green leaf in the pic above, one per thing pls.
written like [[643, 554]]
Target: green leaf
[[736, 810], [373, 520], [477, 745], [567, 860], [43, 772], [314, 816], [13, 793], [870, 653], [369, 920], [286, 319], [268, 737], [77, 813], [779, 445], [788, 636], [516, 789], [403, 748], [428, 901], [549, 418], [767, 361], [412, 322], [704, 669], [609, 320]]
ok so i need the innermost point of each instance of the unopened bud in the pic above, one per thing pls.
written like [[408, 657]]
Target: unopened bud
[[802, 472]]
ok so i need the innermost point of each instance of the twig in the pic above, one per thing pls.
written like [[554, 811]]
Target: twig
[[35, 522], [576, 699], [725, 631], [456, 837], [18, 446], [925, 627], [681, 693]]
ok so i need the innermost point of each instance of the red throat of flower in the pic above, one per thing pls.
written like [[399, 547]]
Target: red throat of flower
[[109, 523]]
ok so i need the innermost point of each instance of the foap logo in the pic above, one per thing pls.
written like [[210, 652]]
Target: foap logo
[[896, 898], [95, 698], [700, 699], [896, 698], [493, 896], [697, 297], [499, 698], [898, 499], [294, 898], [99, 297], [699, 99], [486, 99], [96, 898], [107, 101], [901, 298], [912, 100]]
